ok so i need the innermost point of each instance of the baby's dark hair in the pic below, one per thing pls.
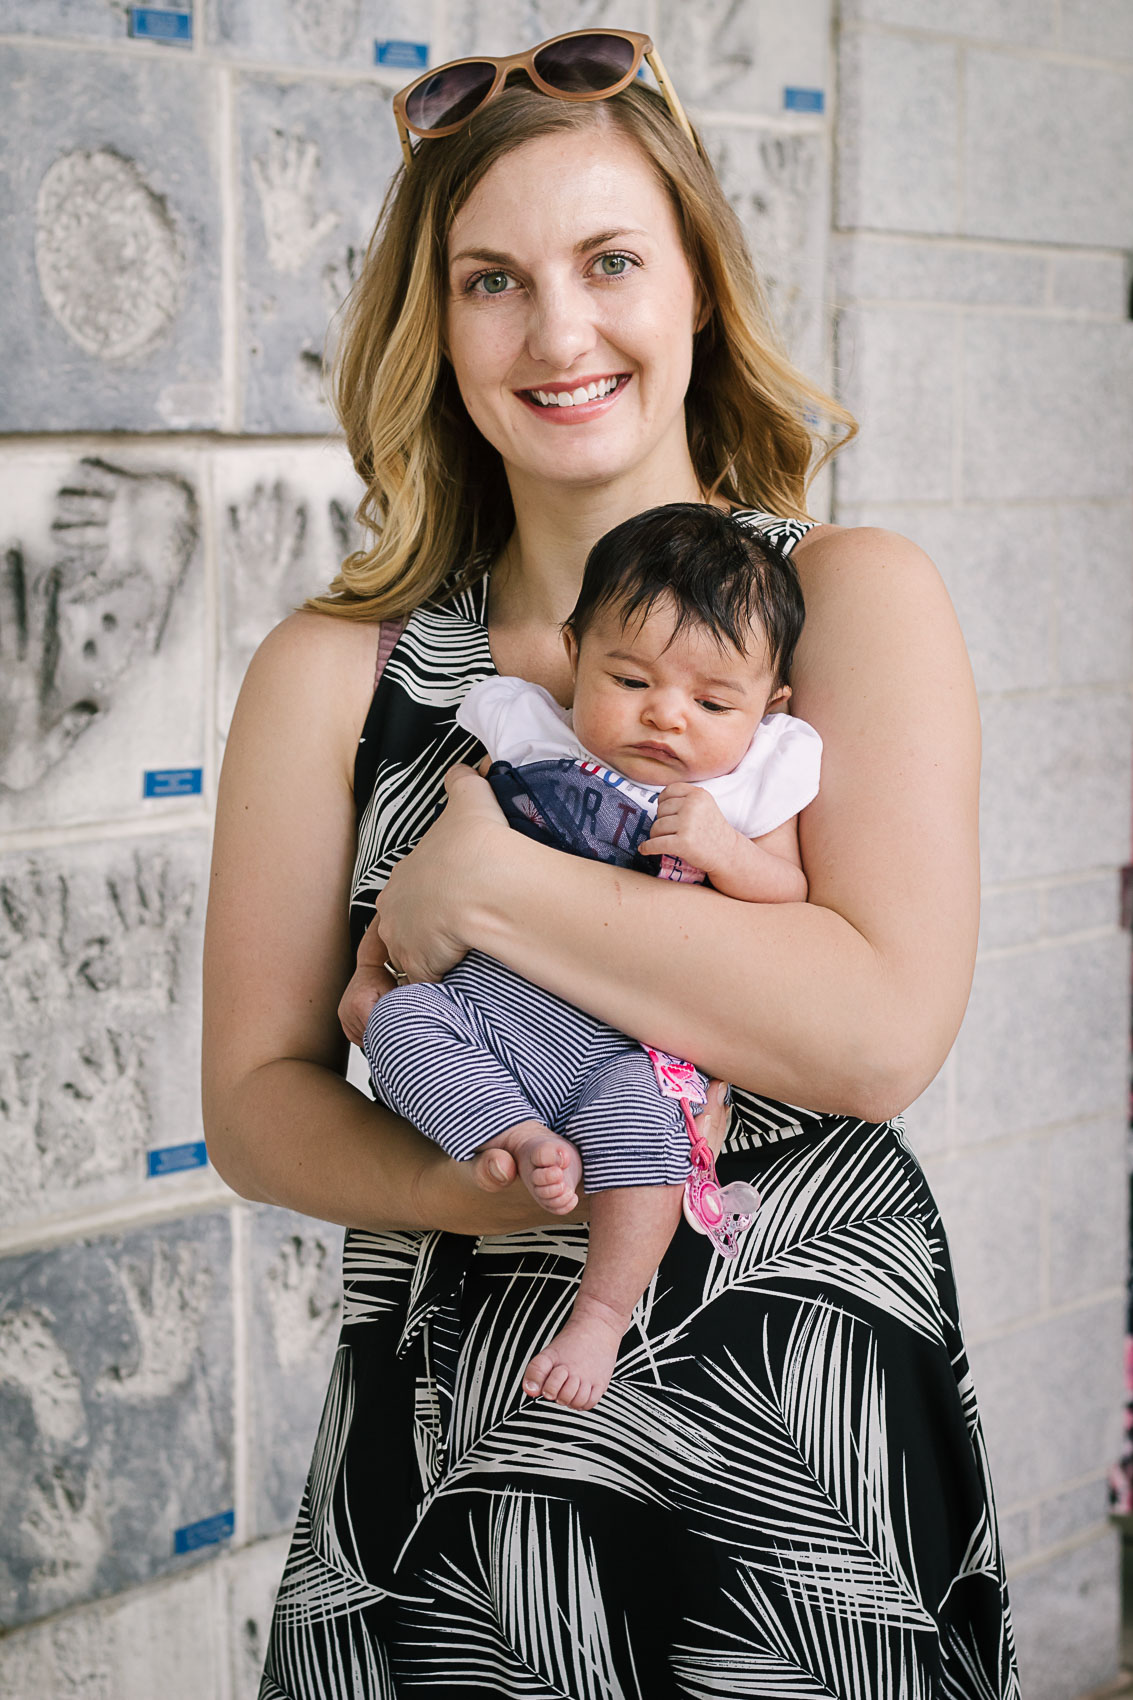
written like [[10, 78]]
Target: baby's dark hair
[[718, 572]]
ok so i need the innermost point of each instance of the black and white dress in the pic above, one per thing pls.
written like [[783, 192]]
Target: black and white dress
[[784, 1492]]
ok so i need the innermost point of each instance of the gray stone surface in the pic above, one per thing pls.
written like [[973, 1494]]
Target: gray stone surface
[[508, 26], [1079, 906], [901, 268], [1017, 1535], [112, 241], [990, 1202], [285, 519], [1045, 146], [1000, 564], [1089, 1208], [295, 1284], [100, 1012], [897, 132], [1050, 1395], [109, 1345], [1090, 283], [1101, 27], [1066, 1614], [165, 1641], [325, 33], [1030, 23], [1054, 797], [1068, 1514], [309, 208], [742, 55], [252, 1580], [106, 20], [897, 374], [1045, 1039], [103, 638], [928, 1119], [1010, 917], [776, 181], [1095, 594], [1046, 408]]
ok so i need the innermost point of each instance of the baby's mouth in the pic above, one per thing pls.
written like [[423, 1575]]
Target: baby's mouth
[[598, 390]]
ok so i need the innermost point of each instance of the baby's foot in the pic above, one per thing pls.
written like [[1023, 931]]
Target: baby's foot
[[549, 1167], [575, 1369]]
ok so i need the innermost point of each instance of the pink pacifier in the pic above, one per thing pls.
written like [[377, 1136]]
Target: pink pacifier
[[720, 1212]]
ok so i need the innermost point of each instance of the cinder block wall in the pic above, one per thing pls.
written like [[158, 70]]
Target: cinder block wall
[[983, 213], [179, 223]]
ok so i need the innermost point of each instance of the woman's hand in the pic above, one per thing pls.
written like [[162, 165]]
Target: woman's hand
[[422, 912], [485, 1195]]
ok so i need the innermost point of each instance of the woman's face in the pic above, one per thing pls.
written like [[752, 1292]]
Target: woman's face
[[571, 313]]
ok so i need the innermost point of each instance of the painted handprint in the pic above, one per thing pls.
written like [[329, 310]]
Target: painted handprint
[[285, 179], [166, 1301]]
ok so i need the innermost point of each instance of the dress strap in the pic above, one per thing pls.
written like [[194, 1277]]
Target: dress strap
[[388, 633]]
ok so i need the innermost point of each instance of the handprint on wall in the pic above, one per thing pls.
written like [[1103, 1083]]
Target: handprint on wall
[[69, 629], [67, 1521], [265, 538], [139, 953], [286, 182], [99, 1116], [166, 1301], [35, 1364], [302, 1299]]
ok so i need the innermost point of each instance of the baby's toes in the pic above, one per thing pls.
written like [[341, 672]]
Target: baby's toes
[[556, 1378], [536, 1373]]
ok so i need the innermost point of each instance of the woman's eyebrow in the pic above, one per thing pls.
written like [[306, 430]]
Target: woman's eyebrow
[[496, 257]]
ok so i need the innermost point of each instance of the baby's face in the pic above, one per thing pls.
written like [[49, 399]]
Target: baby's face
[[659, 708]]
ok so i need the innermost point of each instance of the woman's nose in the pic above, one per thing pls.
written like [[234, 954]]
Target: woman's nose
[[561, 329]]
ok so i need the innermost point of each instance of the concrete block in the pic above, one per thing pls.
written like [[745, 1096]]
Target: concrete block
[[1069, 1514], [102, 570], [928, 1119], [1010, 917], [508, 26], [1095, 594], [900, 268], [741, 57], [1046, 409], [317, 32], [100, 949], [1067, 1614], [1045, 145], [252, 1577], [1045, 1039], [285, 522], [296, 1278], [1022, 23], [1089, 1209], [898, 124], [1050, 1396], [115, 1410], [104, 20], [777, 183], [1055, 792], [112, 242], [990, 1202], [165, 1640], [897, 373], [1000, 565], [308, 215], [1101, 27], [1082, 906], [1090, 283], [1017, 1535]]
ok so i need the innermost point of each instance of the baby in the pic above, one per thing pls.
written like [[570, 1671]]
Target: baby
[[673, 759]]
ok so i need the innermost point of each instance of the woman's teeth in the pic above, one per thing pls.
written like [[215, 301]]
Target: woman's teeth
[[575, 398]]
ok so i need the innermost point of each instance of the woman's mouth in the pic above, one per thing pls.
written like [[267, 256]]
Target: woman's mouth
[[579, 400]]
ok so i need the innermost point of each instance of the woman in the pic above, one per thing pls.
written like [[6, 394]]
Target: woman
[[784, 1489]]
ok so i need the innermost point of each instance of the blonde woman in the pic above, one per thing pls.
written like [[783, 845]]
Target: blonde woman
[[784, 1488]]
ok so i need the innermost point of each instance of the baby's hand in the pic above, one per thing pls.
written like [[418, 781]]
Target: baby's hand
[[690, 825], [367, 985]]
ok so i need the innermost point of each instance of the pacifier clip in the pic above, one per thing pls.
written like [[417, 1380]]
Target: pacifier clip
[[720, 1212]]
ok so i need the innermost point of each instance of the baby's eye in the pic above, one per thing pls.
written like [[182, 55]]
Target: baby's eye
[[612, 265], [716, 707], [630, 684]]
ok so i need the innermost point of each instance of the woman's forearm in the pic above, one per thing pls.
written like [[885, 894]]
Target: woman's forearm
[[788, 1000]]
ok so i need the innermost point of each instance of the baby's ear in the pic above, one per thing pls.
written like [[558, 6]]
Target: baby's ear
[[778, 699]]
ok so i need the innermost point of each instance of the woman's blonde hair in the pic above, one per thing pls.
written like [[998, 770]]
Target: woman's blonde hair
[[437, 503]]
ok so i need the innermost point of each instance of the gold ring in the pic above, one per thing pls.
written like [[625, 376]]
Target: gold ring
[[399, 974]]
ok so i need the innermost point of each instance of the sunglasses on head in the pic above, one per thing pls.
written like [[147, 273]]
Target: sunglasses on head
[[582, 65]]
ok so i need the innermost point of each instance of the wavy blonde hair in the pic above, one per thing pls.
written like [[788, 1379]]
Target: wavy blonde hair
[[437, 503]]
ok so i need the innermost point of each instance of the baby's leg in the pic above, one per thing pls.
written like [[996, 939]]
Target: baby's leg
[[432, 1061], [635, 1154]]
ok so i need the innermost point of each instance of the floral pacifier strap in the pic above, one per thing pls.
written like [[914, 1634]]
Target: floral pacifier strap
[[720, 1212]]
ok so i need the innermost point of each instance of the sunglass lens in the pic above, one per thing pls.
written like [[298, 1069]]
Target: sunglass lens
[[585, 63], [449, 95]]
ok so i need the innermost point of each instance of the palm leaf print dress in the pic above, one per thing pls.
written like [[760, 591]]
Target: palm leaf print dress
[[784, 1492]]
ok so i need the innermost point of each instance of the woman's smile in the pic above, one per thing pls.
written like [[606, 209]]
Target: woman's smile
[[570, 401]]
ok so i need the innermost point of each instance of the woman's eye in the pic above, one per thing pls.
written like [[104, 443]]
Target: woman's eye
[[491, 283], [612, 265]]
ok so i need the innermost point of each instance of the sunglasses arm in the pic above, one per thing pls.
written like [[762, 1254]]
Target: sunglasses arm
[[403, 138], [653, 60]]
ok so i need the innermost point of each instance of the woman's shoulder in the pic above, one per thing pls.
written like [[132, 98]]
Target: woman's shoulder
[[314, 671], [861, 550]]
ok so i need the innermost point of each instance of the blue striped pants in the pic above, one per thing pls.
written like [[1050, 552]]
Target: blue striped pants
[[485, 1050]]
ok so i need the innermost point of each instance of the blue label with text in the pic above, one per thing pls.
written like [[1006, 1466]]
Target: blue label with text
[[405, 55], [171, 1159], [207, 1533], [156, 23], [804, 100], [172, 782]]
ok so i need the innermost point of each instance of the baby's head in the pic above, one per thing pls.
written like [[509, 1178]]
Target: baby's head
[[680, 642]]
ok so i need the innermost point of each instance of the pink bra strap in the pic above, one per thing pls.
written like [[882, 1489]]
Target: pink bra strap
[[388, 633]]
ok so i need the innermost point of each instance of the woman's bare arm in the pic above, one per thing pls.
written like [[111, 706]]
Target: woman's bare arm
[[848, 1002]]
